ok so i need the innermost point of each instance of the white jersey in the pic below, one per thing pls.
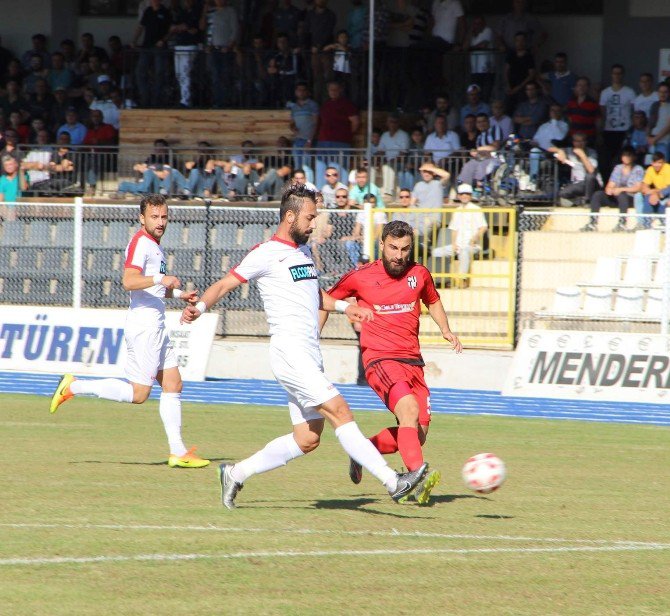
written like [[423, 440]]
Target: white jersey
[[289, 288], [147, 306]]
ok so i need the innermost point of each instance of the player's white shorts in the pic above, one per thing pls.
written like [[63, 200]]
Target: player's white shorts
[[149, 351], [300, 372]]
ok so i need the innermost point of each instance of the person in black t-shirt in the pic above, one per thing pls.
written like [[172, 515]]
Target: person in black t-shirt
[[519, 70]]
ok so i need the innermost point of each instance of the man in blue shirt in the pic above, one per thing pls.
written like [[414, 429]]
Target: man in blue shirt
[[559, 83], [304, 120], [73, 126]]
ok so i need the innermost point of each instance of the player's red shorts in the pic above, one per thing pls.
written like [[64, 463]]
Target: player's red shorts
[[393, 379]]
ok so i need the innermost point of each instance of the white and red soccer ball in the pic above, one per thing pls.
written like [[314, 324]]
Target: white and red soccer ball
[[484, 473]]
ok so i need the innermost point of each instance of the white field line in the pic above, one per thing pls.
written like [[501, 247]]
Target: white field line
[[342, 533], [64, 560]]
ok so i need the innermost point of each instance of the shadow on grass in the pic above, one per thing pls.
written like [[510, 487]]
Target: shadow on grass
[[161, 463], [438, 499], [492, 516], [360, 505]]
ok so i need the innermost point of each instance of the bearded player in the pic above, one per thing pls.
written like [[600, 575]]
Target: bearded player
[[393, 287]]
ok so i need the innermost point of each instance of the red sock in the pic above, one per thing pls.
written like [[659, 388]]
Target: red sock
[[410, 448], [386, 441]]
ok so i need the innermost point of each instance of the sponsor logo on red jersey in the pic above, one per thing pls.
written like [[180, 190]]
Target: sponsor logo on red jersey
[[393, 308]]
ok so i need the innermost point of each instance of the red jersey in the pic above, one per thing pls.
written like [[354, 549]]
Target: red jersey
[[396, 303]]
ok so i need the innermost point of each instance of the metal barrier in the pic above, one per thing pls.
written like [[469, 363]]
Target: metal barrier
[[258, 173], [583, 271], [261, 78]]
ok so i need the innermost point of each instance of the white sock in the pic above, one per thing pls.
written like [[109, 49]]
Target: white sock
[[363, 451], [109, 389], [170, 410], [275, 454]]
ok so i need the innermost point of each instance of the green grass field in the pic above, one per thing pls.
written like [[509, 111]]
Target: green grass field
[[580, 527]]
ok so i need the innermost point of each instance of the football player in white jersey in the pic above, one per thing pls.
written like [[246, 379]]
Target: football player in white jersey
[[289, 288], [150, 353]]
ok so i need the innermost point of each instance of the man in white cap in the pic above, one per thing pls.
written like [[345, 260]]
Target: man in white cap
[[468, 226]]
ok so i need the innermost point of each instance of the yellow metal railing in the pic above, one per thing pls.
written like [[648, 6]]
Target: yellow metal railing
[[479, 301]]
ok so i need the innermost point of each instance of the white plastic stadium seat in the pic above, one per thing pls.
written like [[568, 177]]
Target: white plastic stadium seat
[[647, 242], [659, 271], [638, 270], [598, 300], [628, 301], [608, 270], [654, 303], [567, 299]]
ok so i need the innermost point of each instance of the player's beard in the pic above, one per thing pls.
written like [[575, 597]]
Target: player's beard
[[395, 267], [298, 236]]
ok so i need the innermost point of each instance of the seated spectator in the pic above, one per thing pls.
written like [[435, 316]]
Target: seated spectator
[[69, 51], [583, 111], [41, 101], [550, 135], [637, 136], [89, 48], [444, 108], [500, 119], [354, 243], [408, 214], [393, 145], [482, 164], [13, 183], [36, 71], [36, 125], [647, 96], [623, 184], [363, 187], [247, 169], [659, 121], [441, 143], [198, 176], [14, 100], [14, 73], [11, 146], [155, 171], [331, 188], [655, 189], [468, 226], [428, 193], [475, 105], [530, 113], [17, 124], [59, 109], [519, 69], [583, 163], [104, 103], [39, 49], [63, 168], [36, 162], [468, 135], [59, 76], [73, 126], [98, 134], [559, 83]]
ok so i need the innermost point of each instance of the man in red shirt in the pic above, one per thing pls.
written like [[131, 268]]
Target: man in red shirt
[[393, 287], [98, 134]]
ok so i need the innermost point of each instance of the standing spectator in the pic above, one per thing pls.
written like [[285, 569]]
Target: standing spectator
[[286, 19], [636, 137], [186, 36], [468, 134], [530, 113], [559, 84], [448, 24], [413, 160], [221, 27], [318, 32], [58, 75], [659, 122], [479, 42], [5, 58], [13, 182], [98, 134], [283, 70], [583, 165], [441, 143], [623, 184], [304, 120], [58, 109], [475, 105], [154, 28], [357, 23], [616, 107], [428, 192], [520, 21], [647, 96], [39, 48], [444, 108], [401, 22], [393, 145], [89, 48], [116, 55], [341, 54], [73, 126], [36, 71], [519, 69], [583, 111], [330, 189], [14, 73], [338, 122], [69, 51], [500, 119]]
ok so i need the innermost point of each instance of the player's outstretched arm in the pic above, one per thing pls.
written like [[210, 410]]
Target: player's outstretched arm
[[354, 312], [190, 297], [438, 315], [134, 280], [212, 295]]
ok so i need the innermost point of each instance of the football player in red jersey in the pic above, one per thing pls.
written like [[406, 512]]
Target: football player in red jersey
[[393, 287]]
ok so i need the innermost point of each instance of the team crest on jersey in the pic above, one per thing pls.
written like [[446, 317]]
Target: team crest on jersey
[[411, 282], [303, 272], [163, 269]]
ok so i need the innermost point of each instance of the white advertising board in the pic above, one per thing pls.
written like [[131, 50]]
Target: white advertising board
[[591, 366], [90, 341]]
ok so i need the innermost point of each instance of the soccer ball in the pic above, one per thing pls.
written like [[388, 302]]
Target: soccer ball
[[484, 473]]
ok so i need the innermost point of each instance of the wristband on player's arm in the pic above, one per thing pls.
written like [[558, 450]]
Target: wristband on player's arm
[[341, 305], [201, 307], [177, 293]]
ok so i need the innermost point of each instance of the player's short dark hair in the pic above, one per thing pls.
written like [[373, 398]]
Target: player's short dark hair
[[152, 200], [397, 229], [292, 199]]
